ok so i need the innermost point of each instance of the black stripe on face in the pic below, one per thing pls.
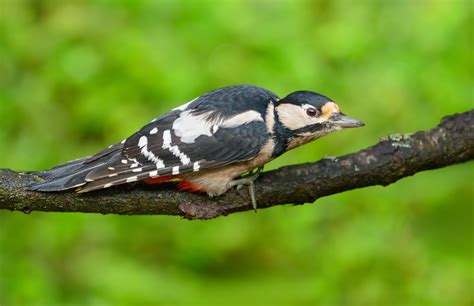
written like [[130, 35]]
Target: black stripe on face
[[310, 129], [281, 134]]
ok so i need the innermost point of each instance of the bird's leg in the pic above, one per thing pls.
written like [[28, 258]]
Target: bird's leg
[[248, 180]]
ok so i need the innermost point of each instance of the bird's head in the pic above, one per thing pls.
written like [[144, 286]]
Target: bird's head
[[307, 115]]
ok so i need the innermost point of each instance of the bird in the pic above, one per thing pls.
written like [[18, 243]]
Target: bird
[[207, 144]]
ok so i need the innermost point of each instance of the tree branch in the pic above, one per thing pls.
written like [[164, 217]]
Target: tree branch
[[398, 156]]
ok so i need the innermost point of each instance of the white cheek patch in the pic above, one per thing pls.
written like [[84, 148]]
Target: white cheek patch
[[292, 116], [295, 117]]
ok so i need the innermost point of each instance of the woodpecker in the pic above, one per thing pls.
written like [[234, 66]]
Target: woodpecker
[[206, 144]]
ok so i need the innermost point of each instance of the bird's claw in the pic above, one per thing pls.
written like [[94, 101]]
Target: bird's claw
[[249, 180]]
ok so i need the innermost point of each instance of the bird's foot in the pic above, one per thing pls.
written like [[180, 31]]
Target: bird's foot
[[249, 180]]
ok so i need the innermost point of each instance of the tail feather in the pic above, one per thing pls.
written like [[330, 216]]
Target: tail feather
[[59, 184], [64, 179], [73, 174], [112, 181], [60, 170]]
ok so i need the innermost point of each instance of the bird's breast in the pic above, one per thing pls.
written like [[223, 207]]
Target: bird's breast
[[216, 181]]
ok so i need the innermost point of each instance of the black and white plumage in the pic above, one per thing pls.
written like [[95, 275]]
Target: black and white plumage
[[207, 142]]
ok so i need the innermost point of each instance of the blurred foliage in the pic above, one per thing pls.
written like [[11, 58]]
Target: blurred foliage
[[76, 76]]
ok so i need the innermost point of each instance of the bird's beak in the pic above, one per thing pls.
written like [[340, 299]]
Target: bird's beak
[[344, 121]]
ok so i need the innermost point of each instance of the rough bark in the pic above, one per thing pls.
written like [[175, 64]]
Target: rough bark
[[391, 159]]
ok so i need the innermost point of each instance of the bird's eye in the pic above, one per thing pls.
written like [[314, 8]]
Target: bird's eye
[[311, 112]]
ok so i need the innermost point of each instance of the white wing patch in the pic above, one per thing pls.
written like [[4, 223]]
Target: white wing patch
[[242, 119], [143, 144], [188, 126], [175, 170], [174, 149], [196, 167]]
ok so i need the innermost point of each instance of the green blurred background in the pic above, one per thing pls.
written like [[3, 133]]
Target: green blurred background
[[76, 76]]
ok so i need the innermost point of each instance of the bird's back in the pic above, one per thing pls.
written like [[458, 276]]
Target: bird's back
[[221, 127]]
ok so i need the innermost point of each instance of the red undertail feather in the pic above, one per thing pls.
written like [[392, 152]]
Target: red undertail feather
[[188, 186], [160, 179], [182, 184]]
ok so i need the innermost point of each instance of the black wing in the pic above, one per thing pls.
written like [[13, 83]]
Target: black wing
[[194, 137]]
